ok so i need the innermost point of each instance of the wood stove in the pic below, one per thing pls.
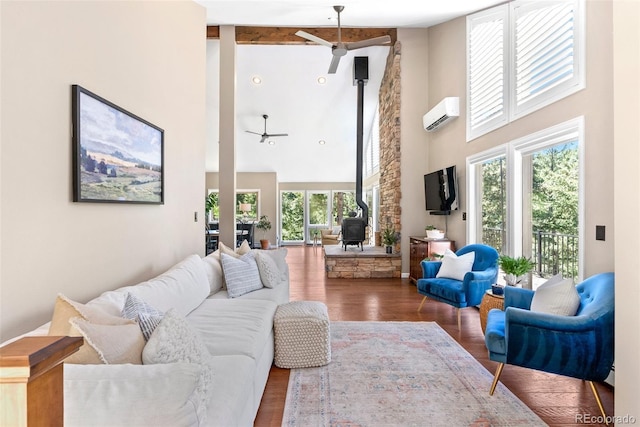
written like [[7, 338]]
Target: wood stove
[[353, 232]]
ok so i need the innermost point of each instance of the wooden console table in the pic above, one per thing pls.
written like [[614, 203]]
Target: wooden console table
[[421, 248], [31, 380]]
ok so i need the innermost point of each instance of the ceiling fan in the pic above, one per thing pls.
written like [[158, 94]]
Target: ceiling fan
[[266, 135], [340, 49]]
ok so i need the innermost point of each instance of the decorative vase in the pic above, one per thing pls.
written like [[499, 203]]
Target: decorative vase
[[264, 243], [435, 234], [512, 279], [389, 249]]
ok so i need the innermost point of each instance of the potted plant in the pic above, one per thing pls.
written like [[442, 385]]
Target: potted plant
[[514, 268], [389, 238], [433, 232], [265, 225]]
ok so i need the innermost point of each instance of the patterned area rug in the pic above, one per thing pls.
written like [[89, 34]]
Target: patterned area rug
[[399, 374]]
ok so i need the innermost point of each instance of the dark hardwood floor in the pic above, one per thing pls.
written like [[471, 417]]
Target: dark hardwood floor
[[558, 400]]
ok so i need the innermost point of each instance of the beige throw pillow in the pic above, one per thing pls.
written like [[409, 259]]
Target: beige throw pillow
[[112, 344]]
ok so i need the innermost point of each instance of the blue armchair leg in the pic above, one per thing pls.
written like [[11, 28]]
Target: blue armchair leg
[[599, 401], [496, 378]]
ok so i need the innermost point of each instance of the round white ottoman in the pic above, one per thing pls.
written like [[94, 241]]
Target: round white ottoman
[[301, 331]]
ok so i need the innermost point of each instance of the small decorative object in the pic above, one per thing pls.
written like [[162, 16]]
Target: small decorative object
[[497, 289], [389, 238], [433, 232], [117, 156], [265, 225], [515, 268], [245, 208]]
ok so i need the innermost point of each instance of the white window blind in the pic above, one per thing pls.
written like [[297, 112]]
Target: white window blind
[[545, 45], [522, 56], [487, 71]]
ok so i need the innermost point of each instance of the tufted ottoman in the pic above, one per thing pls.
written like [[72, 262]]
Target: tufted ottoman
[[302, 335]]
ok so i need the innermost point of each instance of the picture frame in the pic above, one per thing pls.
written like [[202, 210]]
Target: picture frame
[[118, 157]]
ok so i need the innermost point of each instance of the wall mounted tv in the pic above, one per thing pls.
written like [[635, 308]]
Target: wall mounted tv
[[441, 191]]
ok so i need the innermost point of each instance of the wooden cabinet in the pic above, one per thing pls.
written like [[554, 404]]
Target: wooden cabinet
[[421, 248]]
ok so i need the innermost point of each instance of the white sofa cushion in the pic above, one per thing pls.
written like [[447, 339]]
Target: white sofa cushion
[[213, 268], [239, 326], [183, 287], [132, 395]]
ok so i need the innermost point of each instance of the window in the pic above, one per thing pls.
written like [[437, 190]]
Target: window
[[371, 154], [526, 198], [247, 199], [521, 57]]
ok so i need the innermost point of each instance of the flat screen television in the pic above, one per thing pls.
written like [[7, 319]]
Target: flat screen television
[[441, 191]]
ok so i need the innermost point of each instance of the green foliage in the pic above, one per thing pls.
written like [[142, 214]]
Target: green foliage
[[390, 237], [430, 227], [516, 266], [211, 204], [318, 203], [292, 205], [264, 224]]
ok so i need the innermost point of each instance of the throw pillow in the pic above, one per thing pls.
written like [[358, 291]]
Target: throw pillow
[[66, 309], [241, 274], [268, 269], [556, 296], [147, 316], [279, 256], [214, 272], [238, 252], [174, 340], [454, 266], [113, 344]]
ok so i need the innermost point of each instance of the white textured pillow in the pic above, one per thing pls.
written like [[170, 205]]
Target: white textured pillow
[[454, 266], [269, 273], [148, 317], [174, 340], [279, 256], [556, 296], [241, 274]]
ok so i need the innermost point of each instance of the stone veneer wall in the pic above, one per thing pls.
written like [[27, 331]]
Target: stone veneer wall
[[389, 99]]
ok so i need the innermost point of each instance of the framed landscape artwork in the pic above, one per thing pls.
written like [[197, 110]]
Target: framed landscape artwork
[[117, 156]]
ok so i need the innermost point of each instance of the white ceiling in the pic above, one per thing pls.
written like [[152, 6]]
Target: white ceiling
[[290, 94]]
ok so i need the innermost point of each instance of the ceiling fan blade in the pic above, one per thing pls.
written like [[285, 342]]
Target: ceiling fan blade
[[313, 38], [255, 133], [369, 42], [264, 137], [278, 134], [335, 60]]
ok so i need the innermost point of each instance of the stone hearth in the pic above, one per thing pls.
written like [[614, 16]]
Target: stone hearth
[[369, 263]]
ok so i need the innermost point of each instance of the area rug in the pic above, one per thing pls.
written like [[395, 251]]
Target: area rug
[[399, 374]]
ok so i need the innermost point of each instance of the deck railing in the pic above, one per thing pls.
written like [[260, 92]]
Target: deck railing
[[553, 252]]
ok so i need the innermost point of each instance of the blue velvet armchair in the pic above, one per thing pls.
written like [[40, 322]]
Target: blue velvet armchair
[[579, 346], [465, 293]]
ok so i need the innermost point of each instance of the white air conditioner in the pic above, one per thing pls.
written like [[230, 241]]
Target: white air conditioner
[[447, 109]]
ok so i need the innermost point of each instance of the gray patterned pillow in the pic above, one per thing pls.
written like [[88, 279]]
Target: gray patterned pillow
[[269, 272], [148, 317], [241, 274]]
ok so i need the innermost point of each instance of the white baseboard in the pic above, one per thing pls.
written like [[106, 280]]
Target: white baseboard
[[404, 275]]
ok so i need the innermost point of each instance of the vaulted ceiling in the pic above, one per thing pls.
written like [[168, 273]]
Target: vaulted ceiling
[[289, 68]]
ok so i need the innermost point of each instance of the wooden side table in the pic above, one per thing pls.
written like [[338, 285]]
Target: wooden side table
[[489, 301]]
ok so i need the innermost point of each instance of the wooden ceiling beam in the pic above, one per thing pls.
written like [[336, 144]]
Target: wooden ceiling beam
[[287, 35]]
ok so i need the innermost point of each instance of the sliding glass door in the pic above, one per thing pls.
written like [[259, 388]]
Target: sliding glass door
[[292, 216]]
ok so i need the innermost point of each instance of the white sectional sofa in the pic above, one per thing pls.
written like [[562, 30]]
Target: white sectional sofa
[[219, 386]]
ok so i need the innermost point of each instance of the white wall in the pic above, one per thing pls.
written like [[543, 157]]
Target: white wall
[[147, 57], [626, 175]]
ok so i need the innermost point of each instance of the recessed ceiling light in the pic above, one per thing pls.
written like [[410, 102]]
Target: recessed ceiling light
[[322, 142], [272, 142], [322, 80], [256, 80]]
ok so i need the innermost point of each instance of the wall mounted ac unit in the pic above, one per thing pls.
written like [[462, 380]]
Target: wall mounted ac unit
[[447, 109]]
